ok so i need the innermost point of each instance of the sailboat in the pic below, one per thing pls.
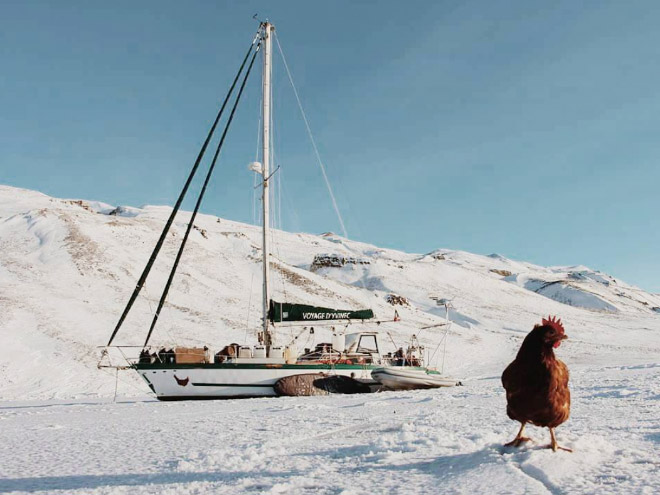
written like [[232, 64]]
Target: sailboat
[[237, 370]]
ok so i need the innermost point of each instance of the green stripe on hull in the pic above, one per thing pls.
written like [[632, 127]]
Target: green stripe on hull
[[232, 385], [171, 398], [265, 366]]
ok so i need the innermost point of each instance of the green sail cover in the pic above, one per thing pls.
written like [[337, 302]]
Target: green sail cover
[[302, 312]]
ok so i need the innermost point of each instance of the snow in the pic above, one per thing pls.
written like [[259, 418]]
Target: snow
[[564, 291], [67, 268], [431, 441]]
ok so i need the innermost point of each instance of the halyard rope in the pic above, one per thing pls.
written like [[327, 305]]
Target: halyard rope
[[311, 137]]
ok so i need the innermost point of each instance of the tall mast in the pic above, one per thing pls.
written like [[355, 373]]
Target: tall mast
[[267, 39]]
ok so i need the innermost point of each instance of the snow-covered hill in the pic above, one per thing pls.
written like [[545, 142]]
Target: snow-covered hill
[[67, 268]]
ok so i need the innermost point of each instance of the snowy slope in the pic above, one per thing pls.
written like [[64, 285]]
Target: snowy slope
[[67, 268]]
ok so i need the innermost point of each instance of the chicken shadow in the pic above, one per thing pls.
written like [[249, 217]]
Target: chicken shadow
[[443, 467], [456, 465]]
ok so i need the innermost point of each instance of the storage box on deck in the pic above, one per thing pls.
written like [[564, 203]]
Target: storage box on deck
[[190, 355]]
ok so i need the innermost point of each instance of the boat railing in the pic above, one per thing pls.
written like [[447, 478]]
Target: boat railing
[[394, 360], [124, 357], [119, 357], [112, 356]]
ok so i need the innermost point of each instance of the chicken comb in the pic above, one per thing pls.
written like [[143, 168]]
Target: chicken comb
[[554, 322]]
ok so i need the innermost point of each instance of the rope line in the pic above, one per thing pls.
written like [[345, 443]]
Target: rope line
[[177, 205], [199, 199], [311, 137], [254, 174]]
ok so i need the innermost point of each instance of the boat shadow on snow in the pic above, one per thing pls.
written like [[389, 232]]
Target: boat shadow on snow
[[90, 482]]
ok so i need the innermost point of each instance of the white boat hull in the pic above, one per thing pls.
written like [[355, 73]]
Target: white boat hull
[[405, 378], [210, 381]]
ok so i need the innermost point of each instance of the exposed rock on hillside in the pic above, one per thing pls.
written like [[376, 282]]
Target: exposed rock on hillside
[[335, 261]]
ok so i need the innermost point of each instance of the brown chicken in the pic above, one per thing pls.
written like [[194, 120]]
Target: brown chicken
[[536, 383]]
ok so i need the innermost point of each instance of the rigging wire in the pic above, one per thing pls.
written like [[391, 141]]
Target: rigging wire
[[247, 318], [182, 194], [114, 397], [270, 146], [254, 174], [279, 198], [311, 137], [276, 220], [171, 319], [444, 349], [275, 199], [200, 197], [316, 150], [295, 220], [444, 352], [151, 311], [109, 373], [277, 166], [255, 211]]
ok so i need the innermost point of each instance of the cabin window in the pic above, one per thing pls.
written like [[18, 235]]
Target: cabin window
[[368, 344]]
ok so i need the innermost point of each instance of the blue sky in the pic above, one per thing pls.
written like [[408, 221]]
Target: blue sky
[[525, 128]]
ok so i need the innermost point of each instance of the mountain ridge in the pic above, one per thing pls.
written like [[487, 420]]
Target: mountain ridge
[[68, 266]]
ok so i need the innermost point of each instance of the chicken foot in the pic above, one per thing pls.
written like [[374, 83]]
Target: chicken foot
[[553, 442], [520, 439]]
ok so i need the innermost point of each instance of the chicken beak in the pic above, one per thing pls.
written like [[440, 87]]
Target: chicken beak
[[558, 342]]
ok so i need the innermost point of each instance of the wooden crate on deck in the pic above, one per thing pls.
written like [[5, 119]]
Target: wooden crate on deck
[[190, 355]]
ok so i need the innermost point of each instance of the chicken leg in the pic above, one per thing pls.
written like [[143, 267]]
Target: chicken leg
[[553, 442], [520, 439]]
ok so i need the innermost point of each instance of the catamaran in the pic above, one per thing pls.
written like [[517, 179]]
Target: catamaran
[[253, 371]]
